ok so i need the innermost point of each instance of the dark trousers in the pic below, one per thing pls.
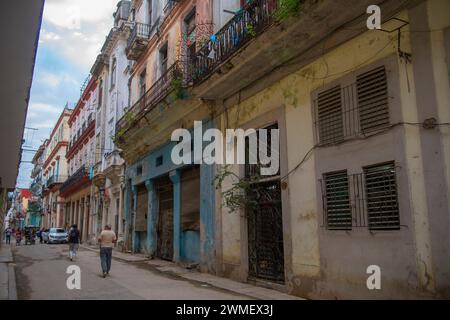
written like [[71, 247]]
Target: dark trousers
[[8, 239], [105, 258]]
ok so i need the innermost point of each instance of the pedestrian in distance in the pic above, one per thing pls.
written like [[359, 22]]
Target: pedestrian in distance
[[18, 237], [74, 241], [8, 235], [107, 241]]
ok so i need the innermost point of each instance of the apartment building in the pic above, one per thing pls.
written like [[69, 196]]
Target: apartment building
[[37, 187], [112, 69], [80, 156], [363, 133], [55, 171]]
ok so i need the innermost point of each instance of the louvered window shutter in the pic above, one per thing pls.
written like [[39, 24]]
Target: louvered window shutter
[[382, 198], [337, 201], [329, 115], [372, 92]]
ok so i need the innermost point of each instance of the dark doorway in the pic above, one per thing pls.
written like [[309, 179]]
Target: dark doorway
[[141, 217], [164, 189], [265, 223]]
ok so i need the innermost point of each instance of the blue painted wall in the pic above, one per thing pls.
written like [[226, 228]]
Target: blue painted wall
[[188, 246]]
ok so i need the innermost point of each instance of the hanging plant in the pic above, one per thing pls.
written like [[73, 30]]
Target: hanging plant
[[287, 9], [250, 30]]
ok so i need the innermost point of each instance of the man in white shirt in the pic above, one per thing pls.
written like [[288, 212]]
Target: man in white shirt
[[107, 240]]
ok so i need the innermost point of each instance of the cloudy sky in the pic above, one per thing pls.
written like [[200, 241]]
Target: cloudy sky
[[72, 34]]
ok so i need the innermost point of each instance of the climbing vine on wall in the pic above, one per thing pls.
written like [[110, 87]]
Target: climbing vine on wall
[[287, 9], [236, 197]]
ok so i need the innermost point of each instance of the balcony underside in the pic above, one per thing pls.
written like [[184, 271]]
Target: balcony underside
[[294, 42], [155, 129], [135, 50]]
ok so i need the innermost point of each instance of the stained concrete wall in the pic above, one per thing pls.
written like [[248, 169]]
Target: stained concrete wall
[[333, 264]]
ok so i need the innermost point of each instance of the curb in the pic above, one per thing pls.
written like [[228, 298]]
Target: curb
[[12, 289]]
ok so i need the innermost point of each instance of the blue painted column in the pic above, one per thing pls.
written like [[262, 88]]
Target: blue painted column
[[152, 216], [175, 176], [133, 218]]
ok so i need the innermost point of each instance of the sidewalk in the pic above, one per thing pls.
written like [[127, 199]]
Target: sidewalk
[[204, 279], [7, 274]]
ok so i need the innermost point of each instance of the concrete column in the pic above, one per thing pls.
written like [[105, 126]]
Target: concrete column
[[85, 221], [152, 218], [135, 238], [79, 213], [175, 176], [120, 213]]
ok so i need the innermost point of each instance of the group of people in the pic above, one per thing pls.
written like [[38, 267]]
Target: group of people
[[107, 240], [14, 233], [19, 234]]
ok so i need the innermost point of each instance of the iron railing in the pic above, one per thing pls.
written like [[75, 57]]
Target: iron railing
[[252, 20], [368, 199], [78, 176], [85, 127], [157, 92], [55, 179], [140, 31]]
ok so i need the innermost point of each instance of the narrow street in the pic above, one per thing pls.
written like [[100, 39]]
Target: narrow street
[[41, 274]]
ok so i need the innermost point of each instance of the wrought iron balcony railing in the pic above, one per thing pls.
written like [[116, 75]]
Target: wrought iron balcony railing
[[75, 178], [55, 179], [171, 80], [250, 21], [81, 132], [138, 40]]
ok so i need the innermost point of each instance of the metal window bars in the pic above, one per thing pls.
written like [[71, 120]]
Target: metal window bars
[[368, 199]]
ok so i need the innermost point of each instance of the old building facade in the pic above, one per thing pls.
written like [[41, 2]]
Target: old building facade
[[360, 117], [55, 171], [80, 156]]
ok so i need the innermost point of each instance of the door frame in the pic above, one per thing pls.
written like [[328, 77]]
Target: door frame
[[276, 115]]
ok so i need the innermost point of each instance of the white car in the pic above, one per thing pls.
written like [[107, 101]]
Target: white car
[[57, 235]]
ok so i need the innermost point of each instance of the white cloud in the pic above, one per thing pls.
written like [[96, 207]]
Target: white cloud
[[53, 80], [43, 108], [80, 27], [48, 36]]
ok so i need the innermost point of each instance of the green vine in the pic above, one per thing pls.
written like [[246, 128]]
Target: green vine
[[118, 136], [176, 87], [287, 9], [129, 117], [250, 30], [237, 197]]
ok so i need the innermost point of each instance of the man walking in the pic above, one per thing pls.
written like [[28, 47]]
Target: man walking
[[8, 235], [74, 240], [107, 240]]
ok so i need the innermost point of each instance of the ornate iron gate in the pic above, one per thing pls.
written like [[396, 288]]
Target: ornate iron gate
[[164, 248], [265, 233]]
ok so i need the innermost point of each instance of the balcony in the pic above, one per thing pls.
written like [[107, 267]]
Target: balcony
[[256, 44], [82, 133], [138, 40], [75, 181], [169, 82], [55, 179], [252, 20]]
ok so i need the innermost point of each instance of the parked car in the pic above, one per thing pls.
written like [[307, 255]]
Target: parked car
[[56, 235]]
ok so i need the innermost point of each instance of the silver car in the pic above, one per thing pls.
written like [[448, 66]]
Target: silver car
[[56, 235]]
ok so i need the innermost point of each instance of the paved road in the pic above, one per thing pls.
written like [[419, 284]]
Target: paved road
[[41, 274]]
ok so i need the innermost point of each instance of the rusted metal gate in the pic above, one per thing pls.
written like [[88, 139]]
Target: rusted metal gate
[[264, 218], [164, 248], [265, 233]]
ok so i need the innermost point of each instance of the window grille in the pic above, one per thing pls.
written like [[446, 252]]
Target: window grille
[[382, 198], [336, 196], [362, 107], [368, 199]]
